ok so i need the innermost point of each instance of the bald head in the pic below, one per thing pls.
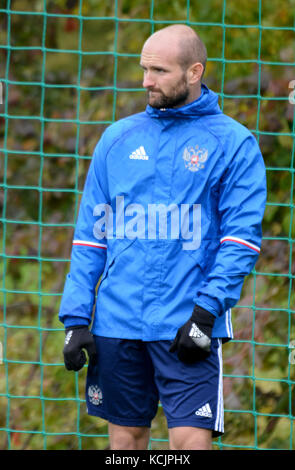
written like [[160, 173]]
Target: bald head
[[173, 60], [182, 41]]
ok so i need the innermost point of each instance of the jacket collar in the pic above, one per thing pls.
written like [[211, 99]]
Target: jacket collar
[[207, 103]]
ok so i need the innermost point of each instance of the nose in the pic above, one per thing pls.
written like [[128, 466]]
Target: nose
[[148, 81]]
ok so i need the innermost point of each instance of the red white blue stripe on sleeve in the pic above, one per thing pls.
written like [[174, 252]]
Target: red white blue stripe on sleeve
[[91, 244], [241, 241]]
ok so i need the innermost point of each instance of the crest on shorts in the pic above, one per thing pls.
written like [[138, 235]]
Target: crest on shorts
[[194, 158], [95, 395]]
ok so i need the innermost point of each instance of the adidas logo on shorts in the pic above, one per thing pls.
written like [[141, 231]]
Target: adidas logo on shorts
[[204, 411]]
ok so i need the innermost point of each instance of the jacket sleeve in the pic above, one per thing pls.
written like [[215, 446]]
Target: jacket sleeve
[[88, 254], [241, 207]]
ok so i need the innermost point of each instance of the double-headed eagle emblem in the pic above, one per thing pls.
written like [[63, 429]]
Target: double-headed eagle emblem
[[95, 394], [194, 158]]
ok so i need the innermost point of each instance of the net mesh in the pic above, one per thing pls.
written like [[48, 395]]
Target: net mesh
[[68, 69]]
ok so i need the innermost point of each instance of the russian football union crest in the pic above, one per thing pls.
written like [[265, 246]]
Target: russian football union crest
[[95, 395], [194, 158]]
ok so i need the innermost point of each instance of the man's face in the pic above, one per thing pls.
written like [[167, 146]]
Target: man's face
[[164, 79]]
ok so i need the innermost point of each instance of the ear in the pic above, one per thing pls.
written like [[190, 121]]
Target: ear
[[195, 72]]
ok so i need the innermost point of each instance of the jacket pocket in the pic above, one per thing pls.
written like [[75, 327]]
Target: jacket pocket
[[205, 255], [114, 250], [200, 257]]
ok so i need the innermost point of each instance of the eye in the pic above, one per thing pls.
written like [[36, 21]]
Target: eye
[[154, 69]]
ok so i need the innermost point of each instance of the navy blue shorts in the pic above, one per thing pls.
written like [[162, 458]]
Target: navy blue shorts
[[133, 376]]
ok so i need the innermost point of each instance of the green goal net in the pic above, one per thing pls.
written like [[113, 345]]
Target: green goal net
[[68, 69]]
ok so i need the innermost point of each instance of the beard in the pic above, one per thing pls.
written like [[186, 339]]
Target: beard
[[177, 96]]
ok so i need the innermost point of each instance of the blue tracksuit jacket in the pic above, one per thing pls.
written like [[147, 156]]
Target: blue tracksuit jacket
[[170, 217]]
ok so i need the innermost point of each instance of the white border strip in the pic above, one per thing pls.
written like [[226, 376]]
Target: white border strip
[[241, 241], [91, 244], [219, 423], [228, 323]]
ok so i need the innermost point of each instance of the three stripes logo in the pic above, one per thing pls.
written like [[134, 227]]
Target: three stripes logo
[[204, 411], [139, 154]]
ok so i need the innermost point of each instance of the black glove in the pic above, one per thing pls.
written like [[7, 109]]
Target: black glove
[[77, 339], [193, 339]]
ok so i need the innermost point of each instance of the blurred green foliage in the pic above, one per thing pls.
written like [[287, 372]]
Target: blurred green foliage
[[71, 73]]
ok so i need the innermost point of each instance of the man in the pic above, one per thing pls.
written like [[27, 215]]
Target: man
[[170, 223]]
